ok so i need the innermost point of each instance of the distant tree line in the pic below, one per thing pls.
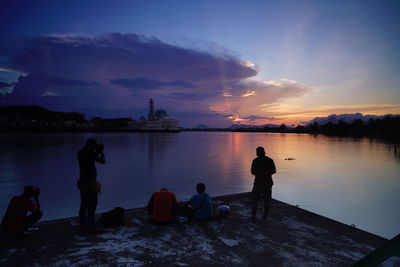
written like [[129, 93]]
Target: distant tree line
[[39, 118], [388, 126], [25, 113]]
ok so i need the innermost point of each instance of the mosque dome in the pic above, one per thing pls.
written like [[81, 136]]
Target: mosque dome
[[161, 114]]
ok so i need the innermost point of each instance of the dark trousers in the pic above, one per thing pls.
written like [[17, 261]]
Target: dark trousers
[[33, 218], [187, 212], [266, 194], [88, 206]]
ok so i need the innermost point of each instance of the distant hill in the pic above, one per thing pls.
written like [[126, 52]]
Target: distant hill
[[348, 118], [34, 112], [201, 126], [247, 126]]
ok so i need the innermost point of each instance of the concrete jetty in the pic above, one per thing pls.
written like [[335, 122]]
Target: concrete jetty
[[290, 237]]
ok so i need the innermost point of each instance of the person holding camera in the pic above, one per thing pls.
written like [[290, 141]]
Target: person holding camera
[[16, 219], [262, 168], [89, 187]]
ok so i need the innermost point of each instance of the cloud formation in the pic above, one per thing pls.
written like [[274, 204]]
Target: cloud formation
[[248, 97], [250, 120], [143, 83], [119, 72]]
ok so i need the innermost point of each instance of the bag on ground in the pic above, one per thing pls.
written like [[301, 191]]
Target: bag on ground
[[114, 217]]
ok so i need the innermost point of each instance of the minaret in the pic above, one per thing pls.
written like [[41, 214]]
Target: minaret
[[151, 110]]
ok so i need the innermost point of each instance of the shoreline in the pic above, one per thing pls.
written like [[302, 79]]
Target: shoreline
[[291, 236], [216, 198], [85, 130], [383, 136]]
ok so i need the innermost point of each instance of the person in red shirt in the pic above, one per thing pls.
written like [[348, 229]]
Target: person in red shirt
[[16, 219], [162, 206]]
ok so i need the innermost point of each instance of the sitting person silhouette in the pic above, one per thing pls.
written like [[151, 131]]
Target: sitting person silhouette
[[162, 206], [16, 219], [199, 206]]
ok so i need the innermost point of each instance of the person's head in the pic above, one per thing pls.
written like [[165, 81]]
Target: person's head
[[163, 189], [91, 143], [29, 191], [200, 187], [260, 151]]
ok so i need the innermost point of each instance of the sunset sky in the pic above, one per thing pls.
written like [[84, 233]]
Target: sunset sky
[[205, 62]]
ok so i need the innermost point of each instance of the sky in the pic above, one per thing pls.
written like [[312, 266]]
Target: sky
[[204, 62]]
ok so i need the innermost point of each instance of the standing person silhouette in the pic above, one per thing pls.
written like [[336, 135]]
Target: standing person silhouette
[[262, 168], [87, 183]]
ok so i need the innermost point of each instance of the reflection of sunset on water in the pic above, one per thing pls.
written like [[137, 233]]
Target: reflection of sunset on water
[[363, 172]]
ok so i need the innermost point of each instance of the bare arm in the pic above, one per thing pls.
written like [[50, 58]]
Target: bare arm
[[273, 168], [100, 158], [37, 204], [149, 207], [175, 202], [253, 171]]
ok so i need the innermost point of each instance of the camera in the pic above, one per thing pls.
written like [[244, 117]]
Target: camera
[[36, 192], [99, 148]]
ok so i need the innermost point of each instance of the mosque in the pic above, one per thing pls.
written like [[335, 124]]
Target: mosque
[[156, 121]]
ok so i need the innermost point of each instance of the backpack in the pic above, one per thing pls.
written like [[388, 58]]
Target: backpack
[[114, 217]]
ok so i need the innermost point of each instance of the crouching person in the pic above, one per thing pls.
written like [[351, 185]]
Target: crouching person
[[16, 220], [162, 207], [199, 206]]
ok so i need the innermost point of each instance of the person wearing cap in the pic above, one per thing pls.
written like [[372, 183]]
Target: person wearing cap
[[16, 219], [162, 206], [87, 183], [262, 168]]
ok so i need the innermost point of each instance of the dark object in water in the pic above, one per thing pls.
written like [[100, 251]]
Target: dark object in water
[[289, 158], [114, 217]]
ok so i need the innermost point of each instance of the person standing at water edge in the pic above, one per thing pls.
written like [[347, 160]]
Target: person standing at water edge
[[87, 183], [262, 168]]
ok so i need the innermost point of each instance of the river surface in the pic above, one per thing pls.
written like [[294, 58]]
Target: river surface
[[355, 181]]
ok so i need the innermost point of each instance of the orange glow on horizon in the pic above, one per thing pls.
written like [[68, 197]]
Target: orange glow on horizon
[[296, 115]]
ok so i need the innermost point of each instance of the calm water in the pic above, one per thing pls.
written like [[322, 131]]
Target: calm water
[[355, 181]]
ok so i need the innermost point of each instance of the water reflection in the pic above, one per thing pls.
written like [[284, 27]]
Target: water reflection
[[351, 180], [157, 147]]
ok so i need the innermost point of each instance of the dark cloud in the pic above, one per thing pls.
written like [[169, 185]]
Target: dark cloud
[[88, 72], [123, 55], [5, 84], [115, 72], [50, 81], [51, 92], [143, 83], [190, 96]]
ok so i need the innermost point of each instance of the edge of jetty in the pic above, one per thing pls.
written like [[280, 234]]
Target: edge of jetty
[[290, 237]]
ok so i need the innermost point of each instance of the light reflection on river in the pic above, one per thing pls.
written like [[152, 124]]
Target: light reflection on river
[[355, 181]]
